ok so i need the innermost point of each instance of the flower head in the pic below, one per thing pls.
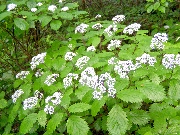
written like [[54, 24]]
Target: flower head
[[51, 79], [81, 62], [39, 4], [52, 8], [97, 26], [110, 29], [33, 9], [30, 103], [91, 49], [22, 74], [98, 16], [16, 95], [81, 28], [68, 79], [131, 28], [36, 60], [64, 9], [69, 56], [38, 94], [11, 6], [49, 109], [168, 61], [114, 44], [118, 18]]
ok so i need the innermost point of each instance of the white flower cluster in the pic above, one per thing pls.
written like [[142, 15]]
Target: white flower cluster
[[33, 9], [52, 8], [64, 9], [91, 49], [81, 28], [98, 16], [39, 4], [114, 44], [81, 62], [97, 26], [158, 40], [16, 95], [22, 74], [110, 29], [118, 18], [55, 99], [60, 1], [67, 81], [39, 73], [131, 28], [38, 94], [103, 83], [112, 61], [51, 79], [170, 61], [11, 6], [30, 103], [145, 59], [69, 56], [36, 60]]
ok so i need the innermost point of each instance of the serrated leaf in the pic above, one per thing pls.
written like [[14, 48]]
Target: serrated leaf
[[97, 105], [97, 124], [96, 41], [151, 90], [2, 94], [27, 123], [3, 103], [31, 4], [4, 15], [42, 118], [53, 123], [150, 8], [79, 107], [65, 15], [77, 126], [162, 9], [117, 123], [174, 90], [156, 5], [139, 117], [104, 123], [81, 91], [130, 95], [55, 24], [21, 23], [13, 112], [44, 19]]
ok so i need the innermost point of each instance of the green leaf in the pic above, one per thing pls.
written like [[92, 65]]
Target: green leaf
[[4, 15], [81, 91], [44, 19], [13, 112], [65, 15], [150, 8], [162, 1], [156, 5], [130, 95], [117, 123], [139, 117], [55, 24], [79, 107], [27, 123], [96, 41], [21, 23], [2, 7], [152, 90], [42, 118], [31, 4], [3, 103], [174, 90], [77, 126], [53, 123], [97, 105], [162, 9]]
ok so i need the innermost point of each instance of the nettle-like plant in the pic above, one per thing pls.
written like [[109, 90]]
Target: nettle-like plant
[[106, 78]]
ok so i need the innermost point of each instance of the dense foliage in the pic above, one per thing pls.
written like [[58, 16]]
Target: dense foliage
[[65, 71]]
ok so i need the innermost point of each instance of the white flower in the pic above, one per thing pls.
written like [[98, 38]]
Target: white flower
[[51, 79], [52, 8], [49, 109], [166, 27], [64, 9], [69, 56], [16, 95], [81, 28], [131, 28], [112, 61], [81, 62], [114, 44], [60, 1], [22, 74], [98, 16], [97, 26], [39, 4], [39, 73], [158, 40], [110, 29], [33, 9], [30, 103], [68, 79], [36, 60], [118, 18], [38, 94], [168, 61], [91, 49], [177, 60], [11, 6]]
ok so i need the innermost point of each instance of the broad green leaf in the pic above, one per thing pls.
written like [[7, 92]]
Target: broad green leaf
[[150, 8], [77, 126], [42, 118], [53, 123], [7, 129], [65, 101], [156, 5], [174, 90], [151, 90], [96, 41], [142, 32], [27, 123], [65, 15], [4, 15], [97, 105], [21, 23], [162, 1], [117, 123], [139, 117], [44, 19], [55, 24], [3, 103], [130, 95], [72, 5], [31, 4], [2, 7], [79, 107], [81, 91], [13, 112], [2, 94], [162, 9]]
